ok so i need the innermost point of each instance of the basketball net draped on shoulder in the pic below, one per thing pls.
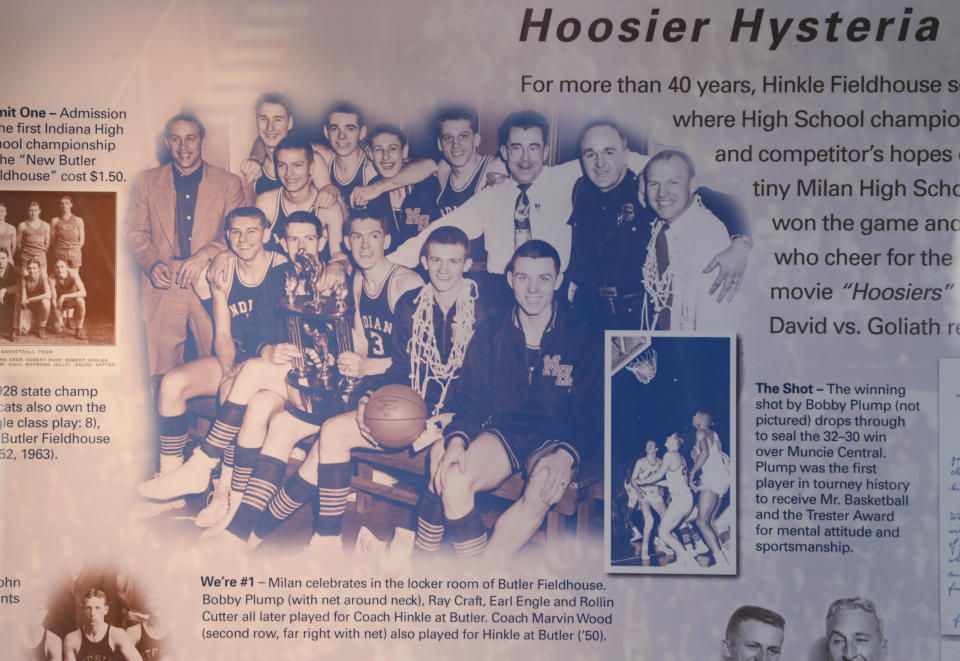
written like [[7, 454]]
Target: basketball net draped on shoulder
[[425, 362]]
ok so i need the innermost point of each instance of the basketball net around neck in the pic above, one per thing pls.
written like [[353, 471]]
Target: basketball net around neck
[[425, 362], [659, 287]]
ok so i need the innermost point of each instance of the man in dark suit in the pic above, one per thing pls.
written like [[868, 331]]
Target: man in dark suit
[[175, 228]]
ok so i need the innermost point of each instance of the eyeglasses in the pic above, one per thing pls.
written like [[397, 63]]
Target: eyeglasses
[[531, 151]]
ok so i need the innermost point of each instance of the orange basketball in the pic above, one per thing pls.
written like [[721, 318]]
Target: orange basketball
[[396, 416]]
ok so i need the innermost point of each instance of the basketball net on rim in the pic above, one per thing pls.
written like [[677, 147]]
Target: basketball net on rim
[[644, 366]]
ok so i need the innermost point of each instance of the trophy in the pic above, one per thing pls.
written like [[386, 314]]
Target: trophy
[[319, 324]]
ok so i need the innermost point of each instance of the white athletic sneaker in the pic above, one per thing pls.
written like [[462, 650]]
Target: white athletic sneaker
[[218, 504], [369, 547], [192, 477], [170, 463], [218, 526], [324, 547], [145, 510]]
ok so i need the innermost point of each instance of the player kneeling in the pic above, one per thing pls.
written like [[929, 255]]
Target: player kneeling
[[529, 400]]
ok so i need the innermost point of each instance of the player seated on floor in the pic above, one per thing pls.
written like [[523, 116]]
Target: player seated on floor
[[529, 401], [376, 289], [265, 372], [69, 298], [244, 319], [432, 329]]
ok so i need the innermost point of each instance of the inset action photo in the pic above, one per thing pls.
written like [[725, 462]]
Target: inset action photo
[[670, 452]]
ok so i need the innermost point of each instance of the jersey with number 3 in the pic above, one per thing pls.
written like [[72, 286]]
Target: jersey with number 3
[[377, 318]]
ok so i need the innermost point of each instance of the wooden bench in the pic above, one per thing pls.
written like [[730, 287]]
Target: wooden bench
[[578, 503], [410, 472]]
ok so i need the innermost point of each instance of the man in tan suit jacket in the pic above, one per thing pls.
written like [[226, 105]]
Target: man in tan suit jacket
[[175, 228]]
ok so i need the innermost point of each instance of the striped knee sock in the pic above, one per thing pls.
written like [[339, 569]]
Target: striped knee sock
[[224, 429], [429, 522], [173, 435], [333, 482], [468, 534], [266, 477], [244, 461], [292, 495]]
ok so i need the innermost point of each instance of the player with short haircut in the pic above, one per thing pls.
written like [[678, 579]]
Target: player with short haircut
[[855, 631], [409, 210], [67, 235], [351, 171], [34, 299], [464, 171], [753, 634], [9, 289], [68, 295], [376, 290], [152, 636], [532, 203], [245, 320], [648, 499], [673, 472], [8, 233], [257, 391], [95, 639], [34, 641], [33, 238], [274, 117], [247, 327], [529, 401], [294, 162]]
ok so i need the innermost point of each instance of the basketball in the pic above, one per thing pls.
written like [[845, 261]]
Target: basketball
[[396, 415]]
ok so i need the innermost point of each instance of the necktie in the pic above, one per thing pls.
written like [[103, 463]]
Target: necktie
[[521, 218], [663, 262]]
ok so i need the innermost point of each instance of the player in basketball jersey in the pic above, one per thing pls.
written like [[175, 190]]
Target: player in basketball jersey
[[34, 641], [376, 290], [409, 210], [8, 233], [152, 636], [529, 400], [67, 234], [464, 170], [96, 640], [9, 290], [33, 238], [68, 295], [351, 171], [649, 499], [294, 162], [245, 319], [257, 392], [274, 116]]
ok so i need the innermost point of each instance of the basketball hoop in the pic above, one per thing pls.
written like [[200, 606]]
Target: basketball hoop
[[644, 366]]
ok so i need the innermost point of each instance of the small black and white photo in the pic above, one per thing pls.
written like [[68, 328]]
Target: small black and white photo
[[57, 268], [670, 457]]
